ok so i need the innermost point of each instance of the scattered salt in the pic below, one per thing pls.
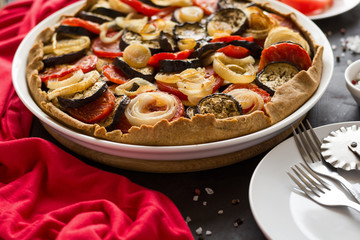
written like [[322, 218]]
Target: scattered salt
[[204, 203], [220, 211], [196, 198], [333, 47], [209, 191], [354, 43], [208, 233], [187, 219], [198, 231]]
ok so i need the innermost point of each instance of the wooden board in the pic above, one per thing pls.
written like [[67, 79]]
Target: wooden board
[[174, 166]]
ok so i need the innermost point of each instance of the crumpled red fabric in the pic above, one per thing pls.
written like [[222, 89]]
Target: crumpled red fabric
[[46, 193]]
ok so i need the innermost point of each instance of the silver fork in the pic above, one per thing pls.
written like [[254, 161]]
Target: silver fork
[[320, 191], [309, 148]]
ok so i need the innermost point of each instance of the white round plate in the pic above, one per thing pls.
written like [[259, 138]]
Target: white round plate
[[338, 7], [283, 213], [187, 152]]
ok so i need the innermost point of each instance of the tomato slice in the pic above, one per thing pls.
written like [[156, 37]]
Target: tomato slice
[[172, 88], [87, 63], [57, 72], [265, 95], [234, 51], [114, 74], [78, 22], [94, 111], [156, 58], [232, 38], [107, 50], [289, 52], [143, 8], [309, 7], [209, 6]]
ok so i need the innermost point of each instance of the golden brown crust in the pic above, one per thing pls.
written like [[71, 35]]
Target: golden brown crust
[[201, 128]]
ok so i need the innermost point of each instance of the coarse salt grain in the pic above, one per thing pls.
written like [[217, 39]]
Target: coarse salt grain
[[209, 191], [195, 198], [208, 233], [187, 219], [204, 203], [333, 47], [198, 231], [220, 212], [354, 43]]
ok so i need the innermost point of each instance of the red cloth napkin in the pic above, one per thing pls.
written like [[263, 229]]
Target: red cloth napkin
[[46, 193]]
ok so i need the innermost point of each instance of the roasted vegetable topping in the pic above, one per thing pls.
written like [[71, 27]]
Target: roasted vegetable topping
[[275, 74], [228, 20], [152, 107], [219, 104], [137, 55]]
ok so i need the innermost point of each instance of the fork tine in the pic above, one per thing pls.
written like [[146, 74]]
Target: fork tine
[[315, 137], [315, 176], [300, 146], [312, 140], [310, 193], [307, 180]]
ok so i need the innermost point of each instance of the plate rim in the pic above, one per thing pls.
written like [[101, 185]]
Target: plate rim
[[163, 152], [326, 14]]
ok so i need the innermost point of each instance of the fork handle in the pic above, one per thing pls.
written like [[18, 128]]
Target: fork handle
[[354, 205], [347, 185]]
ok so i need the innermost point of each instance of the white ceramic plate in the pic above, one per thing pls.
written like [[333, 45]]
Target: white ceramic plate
[[166, 152], [283, 213], [338, 7]]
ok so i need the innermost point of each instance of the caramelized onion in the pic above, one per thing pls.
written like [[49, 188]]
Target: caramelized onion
[[236, 71], [143, 86], [191, 14], [249, 100], [137, 55], [281, 34], [73, 78], [151, 107]]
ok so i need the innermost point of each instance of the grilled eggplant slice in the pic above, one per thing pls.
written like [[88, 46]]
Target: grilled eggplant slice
[[207, 48], [129, 37], [190, 112], [241, 4], [94, 17], [146, 73], [113, 119], [189, 30], [66, 29], [219, 104], [274, 75], [167, 42], [51, 60], [170, 66], [82, 98], [230, 20]]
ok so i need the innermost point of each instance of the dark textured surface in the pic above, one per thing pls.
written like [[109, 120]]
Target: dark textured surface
[[232, 182]]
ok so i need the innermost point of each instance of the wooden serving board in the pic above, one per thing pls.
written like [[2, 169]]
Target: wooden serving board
[[174, 166]]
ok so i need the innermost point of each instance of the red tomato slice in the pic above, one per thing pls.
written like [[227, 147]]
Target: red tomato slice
[[107, 50], [57, 72], [114, 74], [94, 111], [78, 22], [87, 63], [232, 38], [156, 58], [172, 88], [234, 51], [309, 7], [265, 95], [142, 7], [209, 6], [289, 52]]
